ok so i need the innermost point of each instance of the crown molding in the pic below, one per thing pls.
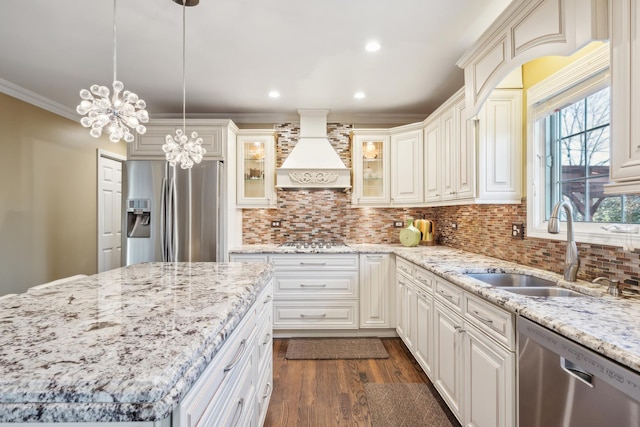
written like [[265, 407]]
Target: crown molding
[[368, 118], [40, 101]]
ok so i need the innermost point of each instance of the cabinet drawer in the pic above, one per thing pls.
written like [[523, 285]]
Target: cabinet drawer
[[263, 393], [423, 278], [315, 262], [492, 320], [449, 294], [257, 258], [218, 376], [265, 340], [236, 403], [404, 266], [315, 315], [324, 284]]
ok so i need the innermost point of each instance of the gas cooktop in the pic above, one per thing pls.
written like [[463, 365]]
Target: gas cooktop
[[300, 245]]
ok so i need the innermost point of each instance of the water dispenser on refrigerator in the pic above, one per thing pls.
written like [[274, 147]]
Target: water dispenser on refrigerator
[[138, 218]]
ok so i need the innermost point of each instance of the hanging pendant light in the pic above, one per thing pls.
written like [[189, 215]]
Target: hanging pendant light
[[113, 114], [180, 147]]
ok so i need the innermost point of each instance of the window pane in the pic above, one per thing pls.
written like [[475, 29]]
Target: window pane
[[598, 109], [574, 193], [602, 208], [572, 151], [572, 119], [598, 147]]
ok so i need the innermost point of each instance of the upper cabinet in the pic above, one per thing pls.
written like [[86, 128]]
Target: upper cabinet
[[500, 147], [449, 154], [255, 169], [388, 166], [371, 154], [406, 166], [625, 97], [527, 30], [149, 145]]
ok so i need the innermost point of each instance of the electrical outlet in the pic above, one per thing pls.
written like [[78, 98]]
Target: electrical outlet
[[454, 225], [517, 230], [398, 224], [276, 224]]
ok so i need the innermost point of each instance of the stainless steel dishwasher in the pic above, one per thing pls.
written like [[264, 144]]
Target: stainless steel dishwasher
[[561, 383]]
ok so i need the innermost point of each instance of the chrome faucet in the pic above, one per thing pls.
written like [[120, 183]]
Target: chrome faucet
[[571, 261]]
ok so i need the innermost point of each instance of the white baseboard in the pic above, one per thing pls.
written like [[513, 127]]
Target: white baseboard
[[334, 333]]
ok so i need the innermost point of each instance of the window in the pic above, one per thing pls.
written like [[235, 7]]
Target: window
[[577, 163], [568, 154]]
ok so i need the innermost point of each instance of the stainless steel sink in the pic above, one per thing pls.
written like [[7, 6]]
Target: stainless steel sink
[[544, 292], [514, 280]]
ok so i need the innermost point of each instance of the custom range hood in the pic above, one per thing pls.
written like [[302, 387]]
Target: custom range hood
[[313, 163]]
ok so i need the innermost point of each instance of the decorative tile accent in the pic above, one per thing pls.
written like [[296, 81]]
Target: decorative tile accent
[[327, 215]]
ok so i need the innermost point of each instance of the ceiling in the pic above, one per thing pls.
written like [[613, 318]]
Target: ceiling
[[312, 52]]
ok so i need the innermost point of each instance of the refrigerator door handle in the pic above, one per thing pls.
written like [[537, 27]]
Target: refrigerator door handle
[[173, 256], [163, 220]]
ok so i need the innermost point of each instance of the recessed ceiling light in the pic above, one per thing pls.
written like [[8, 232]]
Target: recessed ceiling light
[[274, 94], [372, 46], [359, 95]]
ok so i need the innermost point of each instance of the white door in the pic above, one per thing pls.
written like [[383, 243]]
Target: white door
[[374, 294], [109, 210], [447, 354], [424, 330]]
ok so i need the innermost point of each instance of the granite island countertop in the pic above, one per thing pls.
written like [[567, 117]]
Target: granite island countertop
[[605, 324], [124, 345]]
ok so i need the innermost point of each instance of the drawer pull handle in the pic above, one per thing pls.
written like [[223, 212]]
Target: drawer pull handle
[[313, 316], [267, 299], [267, 338], [304, 285], [459, 329], [481, 318], [446, 295], [267, 392], [237, 357], [317, 264], [238, 414]]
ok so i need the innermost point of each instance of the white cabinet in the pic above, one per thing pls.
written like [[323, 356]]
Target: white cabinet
[[465, 344], [255, 186], [448, 356], [376, 302], [449, 154], [225, 394], [404, 309], [407, 166], [500, 148], [423, 343], [316, 291], [148, 146], [625, 97], [371, 154], [489, 379]]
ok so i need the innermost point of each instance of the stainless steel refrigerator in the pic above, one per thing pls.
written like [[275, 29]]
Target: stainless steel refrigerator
[[171, 214]]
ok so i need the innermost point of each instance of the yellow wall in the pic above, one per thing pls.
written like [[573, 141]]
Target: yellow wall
[[48, 202]]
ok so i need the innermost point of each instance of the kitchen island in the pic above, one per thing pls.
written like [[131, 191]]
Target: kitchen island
[[127, 345]]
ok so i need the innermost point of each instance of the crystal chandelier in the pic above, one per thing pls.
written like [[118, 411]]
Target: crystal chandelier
[[113, 114], [179, 147]]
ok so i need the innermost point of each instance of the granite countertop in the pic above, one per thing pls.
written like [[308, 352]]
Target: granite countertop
[[124, 345], [605, 324]]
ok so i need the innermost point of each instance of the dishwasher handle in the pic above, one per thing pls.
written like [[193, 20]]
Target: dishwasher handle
[[576, 372]]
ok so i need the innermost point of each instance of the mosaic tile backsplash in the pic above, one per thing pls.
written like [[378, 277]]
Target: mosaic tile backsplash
[[327, 215]]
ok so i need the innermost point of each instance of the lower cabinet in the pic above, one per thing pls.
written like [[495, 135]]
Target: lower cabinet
[[423, 342], [465, 345], [376, 296], [236, 386], [447, 376], [315, 294]]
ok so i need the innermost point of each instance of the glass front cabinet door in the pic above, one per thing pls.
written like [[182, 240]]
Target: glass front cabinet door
[[371, 172], [256, 171]]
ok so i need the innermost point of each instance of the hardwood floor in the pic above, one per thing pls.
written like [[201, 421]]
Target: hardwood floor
[[319, 393]]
